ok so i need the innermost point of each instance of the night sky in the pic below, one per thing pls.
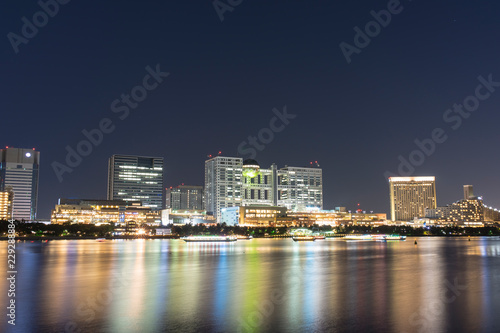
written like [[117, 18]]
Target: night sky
[[227, 76]]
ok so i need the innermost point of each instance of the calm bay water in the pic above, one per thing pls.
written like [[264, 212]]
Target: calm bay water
[[261, 285]]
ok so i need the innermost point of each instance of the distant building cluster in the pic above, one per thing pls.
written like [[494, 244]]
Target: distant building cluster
[[413, 199], [236, 192], [232, 182]]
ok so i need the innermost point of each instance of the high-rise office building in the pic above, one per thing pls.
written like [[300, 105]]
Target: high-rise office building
[[184, 197], [411, 196], [468, 192], [300, 188], [231, 182], [136, 178], [222, 184], [19, 169]]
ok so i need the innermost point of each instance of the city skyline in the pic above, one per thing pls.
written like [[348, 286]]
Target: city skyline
[[328, 206]]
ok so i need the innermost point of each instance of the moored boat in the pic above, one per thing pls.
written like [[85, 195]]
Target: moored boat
[[304, 238], [209, 239], [378, 237], [359, 237], [395, 238]]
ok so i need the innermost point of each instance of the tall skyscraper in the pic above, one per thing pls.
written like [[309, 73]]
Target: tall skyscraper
[[468, 192], [411, 196], [222, 184], [136, 178], [230, 182], [19, 171], [185, 197]]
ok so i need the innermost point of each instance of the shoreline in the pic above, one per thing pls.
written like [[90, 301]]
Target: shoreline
[[178, 237]]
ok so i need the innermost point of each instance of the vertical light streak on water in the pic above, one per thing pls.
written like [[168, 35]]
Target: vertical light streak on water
[[432, 287], [294, 284], [249, 295], [130, 313], [311, 281], [221, 281], [154, 297]]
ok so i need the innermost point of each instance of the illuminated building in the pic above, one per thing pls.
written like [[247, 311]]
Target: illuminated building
[[257, 216], [469, 211], [259, 185], [223, 176], [263, 216], [300, 188], [103, 211], [230, 215], [468, 192], [185, 216], [136, 178], [185, 197], [411, 196], [19, 169], [336, 218], [232, 182], [6, 204]]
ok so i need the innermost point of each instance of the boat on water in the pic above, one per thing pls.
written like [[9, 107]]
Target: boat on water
[[101, 239], [379, 238], [304, 238], [395, 238], [209, 239], [320, 237], [359, 237]]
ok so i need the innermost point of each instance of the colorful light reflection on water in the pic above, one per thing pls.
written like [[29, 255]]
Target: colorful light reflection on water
[[257, 285]]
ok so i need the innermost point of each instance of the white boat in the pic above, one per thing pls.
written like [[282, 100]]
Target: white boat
[[359, 237], [209, 239], [395, 238], [304, 238]]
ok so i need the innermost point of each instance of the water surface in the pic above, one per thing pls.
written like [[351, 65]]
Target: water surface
[[261, 285]]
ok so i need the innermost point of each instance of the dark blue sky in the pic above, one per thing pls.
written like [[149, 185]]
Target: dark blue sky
[[226, 77]]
